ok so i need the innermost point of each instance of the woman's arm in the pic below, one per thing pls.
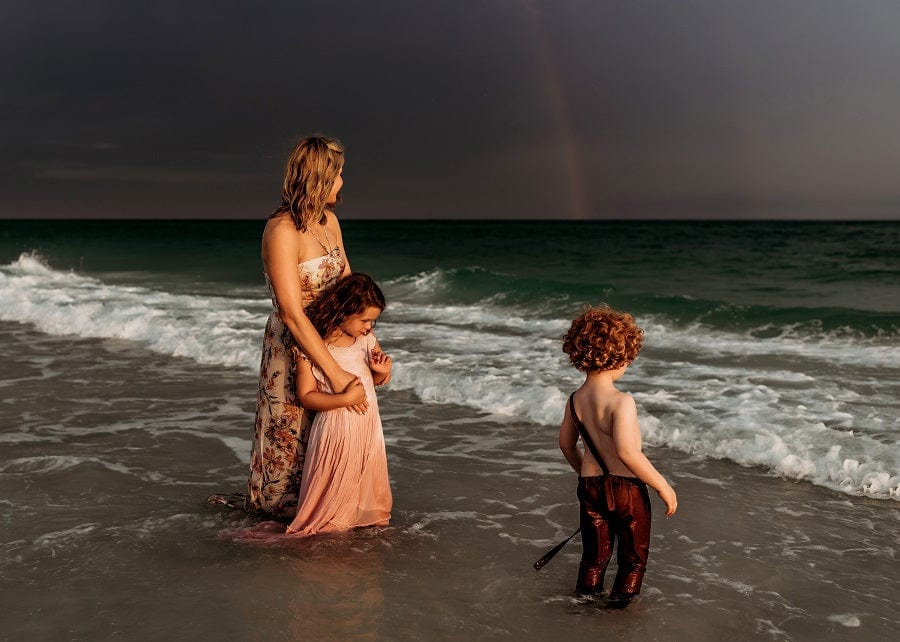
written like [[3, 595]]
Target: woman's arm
[[627, 441], [309, 395], [280, 251]]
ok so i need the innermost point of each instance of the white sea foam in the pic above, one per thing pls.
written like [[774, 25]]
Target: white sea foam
[[207, 329], [65, 536], [819, 407], [782, 404], [827, 348], [437, 516], [56, 463], [47, 464], [846, 619], [24, 437]]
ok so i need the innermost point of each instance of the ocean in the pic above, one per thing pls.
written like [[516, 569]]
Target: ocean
[[767, 391]]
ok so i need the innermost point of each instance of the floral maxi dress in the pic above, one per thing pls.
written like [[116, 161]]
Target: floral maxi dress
[[282, 426]]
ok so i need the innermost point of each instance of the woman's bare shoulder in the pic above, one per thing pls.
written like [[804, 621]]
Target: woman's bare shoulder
[[280, 230], [332, 222], [279, 225], [280, 239]]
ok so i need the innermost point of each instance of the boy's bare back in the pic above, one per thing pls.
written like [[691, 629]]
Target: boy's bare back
[[608, 416]]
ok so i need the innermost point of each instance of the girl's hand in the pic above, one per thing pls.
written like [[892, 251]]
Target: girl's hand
[[379, 362]]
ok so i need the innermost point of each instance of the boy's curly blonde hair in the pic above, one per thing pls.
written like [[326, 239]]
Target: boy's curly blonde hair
[[602, 339]]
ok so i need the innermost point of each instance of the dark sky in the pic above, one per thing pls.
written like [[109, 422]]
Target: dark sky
[[454, 108]]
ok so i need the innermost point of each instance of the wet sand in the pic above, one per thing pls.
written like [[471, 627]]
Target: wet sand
[[109, 451]]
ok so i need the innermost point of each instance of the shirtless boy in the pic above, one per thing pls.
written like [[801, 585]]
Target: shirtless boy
[[612, 490]]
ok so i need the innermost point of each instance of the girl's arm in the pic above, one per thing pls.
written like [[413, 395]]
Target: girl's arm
[[627, 441], [280, 253], [568, 441], [380, 364], [308, 393]]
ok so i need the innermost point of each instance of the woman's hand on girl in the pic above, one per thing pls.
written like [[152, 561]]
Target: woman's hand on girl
[[356, 397], [351, 385]]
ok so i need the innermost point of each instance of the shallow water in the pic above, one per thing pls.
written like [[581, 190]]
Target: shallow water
[[110, 449], [768, 344]]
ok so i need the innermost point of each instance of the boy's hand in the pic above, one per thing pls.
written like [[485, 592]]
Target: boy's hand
[[379, 362], [669, 499]]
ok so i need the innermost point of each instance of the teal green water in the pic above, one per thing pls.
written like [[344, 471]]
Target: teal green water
[[827, 275], [843, 274]]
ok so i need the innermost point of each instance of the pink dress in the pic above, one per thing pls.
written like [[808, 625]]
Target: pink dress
[[345, 477], [282, 426]]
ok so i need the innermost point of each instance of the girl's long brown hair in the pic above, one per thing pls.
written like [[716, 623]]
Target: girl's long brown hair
[[311, 170], [350, 295]]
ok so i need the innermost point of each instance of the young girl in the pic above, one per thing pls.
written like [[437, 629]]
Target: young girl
[[613, 473], [345, 479]]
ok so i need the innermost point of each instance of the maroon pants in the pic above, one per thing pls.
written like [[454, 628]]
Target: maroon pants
[[613, 508]]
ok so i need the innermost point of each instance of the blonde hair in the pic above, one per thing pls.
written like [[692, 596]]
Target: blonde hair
[[602, 339], [312, 167]]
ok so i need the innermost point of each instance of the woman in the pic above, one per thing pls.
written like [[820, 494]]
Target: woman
[[303, 254]]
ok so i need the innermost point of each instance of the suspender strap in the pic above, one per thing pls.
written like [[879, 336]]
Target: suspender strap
[[585, 436], [607, 481], [610, 499]]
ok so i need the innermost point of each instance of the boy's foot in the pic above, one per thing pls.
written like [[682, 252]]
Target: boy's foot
[[619, 600], [589, 590]]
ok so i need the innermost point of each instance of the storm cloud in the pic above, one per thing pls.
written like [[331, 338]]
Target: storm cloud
[[454, 109]]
